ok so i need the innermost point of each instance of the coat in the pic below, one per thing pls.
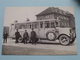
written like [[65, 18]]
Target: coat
[[17, 35], [5, 35], [25, 35], [33, 34]]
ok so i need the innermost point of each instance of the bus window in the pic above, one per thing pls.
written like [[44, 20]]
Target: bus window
[[35, 25], [68, 24], [47, 24], [52, 25], [64, 24], [22, 26], [41, 24], [56, 24], [28, 25], [19, 27], [61, 24]]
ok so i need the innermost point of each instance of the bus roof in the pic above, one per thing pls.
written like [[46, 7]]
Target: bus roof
[[40, 20]]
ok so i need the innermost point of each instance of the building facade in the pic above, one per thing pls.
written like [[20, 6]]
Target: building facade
[[56, 13]]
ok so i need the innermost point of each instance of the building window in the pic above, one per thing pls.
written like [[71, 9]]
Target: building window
[[47, 16], [55, 16]]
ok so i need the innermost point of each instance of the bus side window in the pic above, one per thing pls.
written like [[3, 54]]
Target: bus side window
[[19, 27], [35, 25], [22, 26], [62, 24], [41, 24], [52, 25], [68, 24], [28, 25], [56, 24], [47, 24]]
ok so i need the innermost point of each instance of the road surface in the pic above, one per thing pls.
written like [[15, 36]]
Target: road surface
[[43, 47]]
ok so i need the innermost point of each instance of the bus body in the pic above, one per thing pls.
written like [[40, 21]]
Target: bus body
[[51, 29]]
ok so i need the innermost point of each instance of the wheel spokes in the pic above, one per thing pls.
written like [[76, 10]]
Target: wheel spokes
[[64, 40]]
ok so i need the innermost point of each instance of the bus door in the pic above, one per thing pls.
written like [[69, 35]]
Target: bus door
[[41, 29]]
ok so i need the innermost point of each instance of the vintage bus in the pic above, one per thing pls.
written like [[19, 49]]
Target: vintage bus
[[52, 29]]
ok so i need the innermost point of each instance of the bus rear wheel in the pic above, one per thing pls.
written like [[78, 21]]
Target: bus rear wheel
[[64, 40], [51, 36]]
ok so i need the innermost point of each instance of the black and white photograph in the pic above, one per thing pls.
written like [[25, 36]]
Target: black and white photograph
[[39, 31]]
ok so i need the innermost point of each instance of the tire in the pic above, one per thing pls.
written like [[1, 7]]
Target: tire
[[72, 41], [64, 40], [51, 36]]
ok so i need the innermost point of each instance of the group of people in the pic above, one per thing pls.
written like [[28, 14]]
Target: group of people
[[26, 36]]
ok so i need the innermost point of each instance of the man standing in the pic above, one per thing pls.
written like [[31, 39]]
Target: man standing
[[33, 36], [25, 37], [17, 36], [5, 35]]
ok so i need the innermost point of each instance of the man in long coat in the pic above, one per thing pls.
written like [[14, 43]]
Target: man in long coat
[[25, 37], [5, 35], [17, 36], [33, 36]]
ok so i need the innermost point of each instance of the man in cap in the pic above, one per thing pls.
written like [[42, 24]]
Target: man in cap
[[25, 36]]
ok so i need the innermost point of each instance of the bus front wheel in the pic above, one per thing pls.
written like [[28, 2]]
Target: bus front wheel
[[64, 40]]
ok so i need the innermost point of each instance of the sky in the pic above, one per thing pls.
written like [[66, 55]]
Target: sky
[[22, 13]]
